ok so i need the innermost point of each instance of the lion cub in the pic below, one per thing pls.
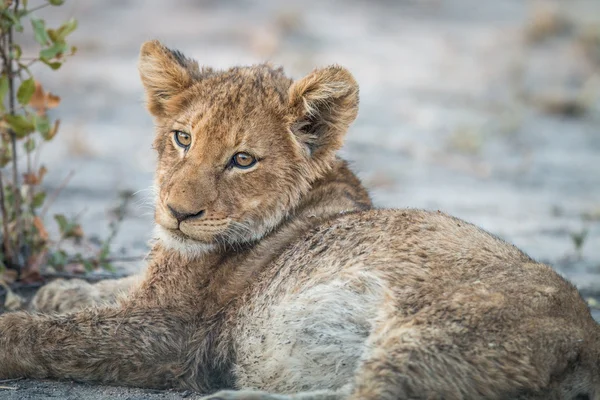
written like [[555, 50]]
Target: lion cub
[[271, 271]]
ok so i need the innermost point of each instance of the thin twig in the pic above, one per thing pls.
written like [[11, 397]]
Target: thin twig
[[37, 8], [13, 138], [55, 194], [85, 277], [29, 228], [29, 64], [6, 239], [124, 259], [3, 53], [11, 380], [76, 260]]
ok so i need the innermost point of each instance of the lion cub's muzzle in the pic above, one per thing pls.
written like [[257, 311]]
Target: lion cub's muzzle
[[198, 225]]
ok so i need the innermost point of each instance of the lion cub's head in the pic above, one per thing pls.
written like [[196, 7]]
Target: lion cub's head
[[238, 149]]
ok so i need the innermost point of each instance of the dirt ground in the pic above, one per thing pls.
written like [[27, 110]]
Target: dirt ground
[[487, 110], [28, 389]]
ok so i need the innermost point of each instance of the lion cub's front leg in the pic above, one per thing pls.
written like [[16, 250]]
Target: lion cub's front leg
[[134, 347], [70, 295]]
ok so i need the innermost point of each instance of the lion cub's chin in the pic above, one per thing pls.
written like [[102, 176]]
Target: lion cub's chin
[[180, 243]]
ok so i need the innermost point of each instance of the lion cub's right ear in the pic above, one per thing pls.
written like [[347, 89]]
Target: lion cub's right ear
[[165, 73]]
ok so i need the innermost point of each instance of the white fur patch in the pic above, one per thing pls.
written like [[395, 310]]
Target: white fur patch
[[311, 338], [186, 247]]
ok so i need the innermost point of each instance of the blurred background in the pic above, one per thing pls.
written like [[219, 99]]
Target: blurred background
[[487, 110]]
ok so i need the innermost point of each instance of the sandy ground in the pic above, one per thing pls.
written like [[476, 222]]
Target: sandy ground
[[485, 110]]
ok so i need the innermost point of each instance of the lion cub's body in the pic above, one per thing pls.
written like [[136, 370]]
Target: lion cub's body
[[435, 300], [278, 275]]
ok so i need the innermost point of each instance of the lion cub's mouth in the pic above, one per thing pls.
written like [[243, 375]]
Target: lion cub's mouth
[[175, 232]]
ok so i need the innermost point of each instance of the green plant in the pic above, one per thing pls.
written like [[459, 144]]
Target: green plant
[[24, 126], [578, 239]]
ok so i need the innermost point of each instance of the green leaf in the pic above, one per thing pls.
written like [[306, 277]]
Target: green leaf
[[56, 2], [42, 125], [104, 251], [25, 91], [38, 199], [10, 16], [16, 52], [88, 265], [58, 258], [29, 145], [56, 49], [63, 224], [53, 35], [5, 156], [67, 28], [39, 31], [3, 91], [51, 132], [54, 65], [68, 229], [21, 125], [58, 35]]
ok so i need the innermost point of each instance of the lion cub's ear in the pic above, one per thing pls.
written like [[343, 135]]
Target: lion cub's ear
[[165, 73], [323, 105]]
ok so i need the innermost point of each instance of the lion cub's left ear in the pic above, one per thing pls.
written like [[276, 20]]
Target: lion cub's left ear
[[323, 105]]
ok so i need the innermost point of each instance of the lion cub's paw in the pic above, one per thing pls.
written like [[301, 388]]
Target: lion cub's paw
[[65, 295], [244, 395]]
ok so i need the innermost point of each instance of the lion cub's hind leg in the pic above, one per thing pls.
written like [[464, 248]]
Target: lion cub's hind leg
[[445, 352], [62, 296]]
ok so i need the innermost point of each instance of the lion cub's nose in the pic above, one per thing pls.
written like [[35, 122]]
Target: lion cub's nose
[[181, 216]]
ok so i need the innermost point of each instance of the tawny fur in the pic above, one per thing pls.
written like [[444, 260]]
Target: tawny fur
[[287, 281]]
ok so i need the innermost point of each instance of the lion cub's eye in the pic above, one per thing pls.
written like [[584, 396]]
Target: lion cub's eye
[[243, 160], [182, 139]]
